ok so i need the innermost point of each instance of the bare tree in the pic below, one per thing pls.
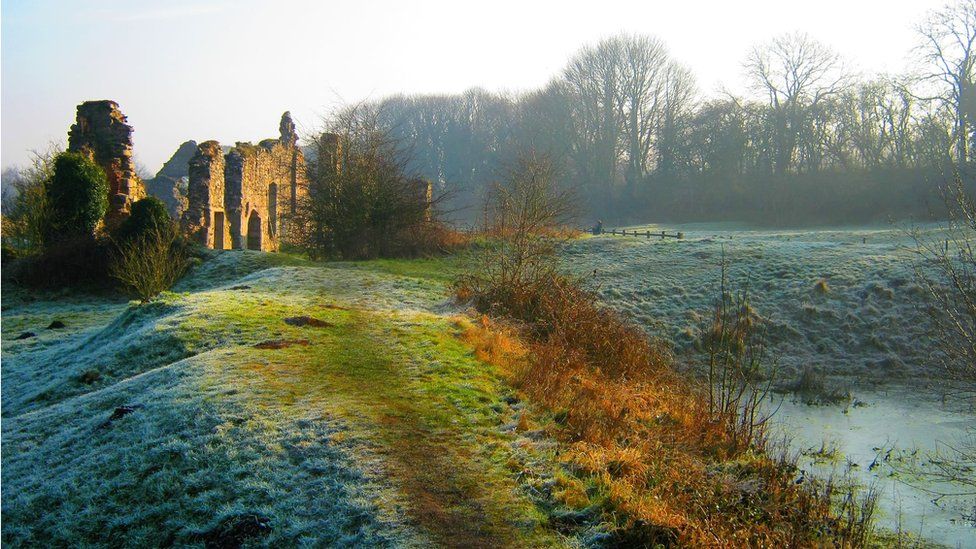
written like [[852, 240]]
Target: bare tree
[[643, 82], [796, 73], [591, 83], [948, 38], [678, 102], [363, 201]]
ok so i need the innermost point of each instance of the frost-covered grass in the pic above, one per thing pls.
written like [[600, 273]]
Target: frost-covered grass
[[379, 429], [840, 301]]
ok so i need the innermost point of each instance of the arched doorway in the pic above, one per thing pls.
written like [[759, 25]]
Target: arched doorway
[[254, 231]]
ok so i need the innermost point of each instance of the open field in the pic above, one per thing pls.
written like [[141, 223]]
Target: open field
[[841, 301]]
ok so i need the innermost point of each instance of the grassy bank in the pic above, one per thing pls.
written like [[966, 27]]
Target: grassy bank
[[213, 414]]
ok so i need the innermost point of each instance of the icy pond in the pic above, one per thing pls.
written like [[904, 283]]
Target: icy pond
[[840, 301]]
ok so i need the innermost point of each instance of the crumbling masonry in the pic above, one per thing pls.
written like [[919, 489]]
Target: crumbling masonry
[[244, 199], [101, 132]]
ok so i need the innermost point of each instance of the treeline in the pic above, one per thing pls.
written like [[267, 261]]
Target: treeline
[[632, 133]]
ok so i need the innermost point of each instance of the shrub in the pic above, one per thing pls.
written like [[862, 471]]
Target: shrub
[[77, 197], [148, 216], [80, 262], [151, 263], [25, 211], [523, 217], [362, 201], [740, 374]]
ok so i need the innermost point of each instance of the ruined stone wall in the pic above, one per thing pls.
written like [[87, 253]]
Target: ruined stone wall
[[205, 216], [261, 188], [101, 131], [297, 181]]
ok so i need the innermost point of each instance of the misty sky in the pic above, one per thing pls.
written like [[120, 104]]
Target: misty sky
[[226, 70]]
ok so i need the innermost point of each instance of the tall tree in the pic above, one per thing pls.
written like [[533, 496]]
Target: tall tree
[[796, 73], [641, 94], [591, 83], [948, 38]]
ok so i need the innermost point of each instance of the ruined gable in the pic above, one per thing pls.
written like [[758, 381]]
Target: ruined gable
[[261, 186], [102, 132]]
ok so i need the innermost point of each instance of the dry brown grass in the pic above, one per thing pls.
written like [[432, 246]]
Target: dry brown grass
[[640, 437], [427, 239]]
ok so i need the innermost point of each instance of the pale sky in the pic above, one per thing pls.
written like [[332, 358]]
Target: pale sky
[[226, 70]]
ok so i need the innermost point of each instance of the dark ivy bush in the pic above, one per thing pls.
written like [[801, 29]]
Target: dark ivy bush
[[148, 218], [77, 198]]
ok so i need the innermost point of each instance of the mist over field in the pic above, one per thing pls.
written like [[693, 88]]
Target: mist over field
[[425, 275]]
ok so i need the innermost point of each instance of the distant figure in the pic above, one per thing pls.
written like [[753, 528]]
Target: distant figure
[[598, 228]]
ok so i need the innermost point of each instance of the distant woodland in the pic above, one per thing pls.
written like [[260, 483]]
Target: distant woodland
[[812, 142]]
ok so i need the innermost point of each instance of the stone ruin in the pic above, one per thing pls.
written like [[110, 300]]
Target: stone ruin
[[240, 197], [244, 199], [101, 132]]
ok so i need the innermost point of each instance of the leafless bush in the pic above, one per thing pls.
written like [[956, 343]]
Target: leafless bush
[[150, 264], [363, 201], [947, 270], [525, 217], [739, 373]]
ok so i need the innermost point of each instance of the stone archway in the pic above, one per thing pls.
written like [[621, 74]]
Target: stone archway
[[254, 231]]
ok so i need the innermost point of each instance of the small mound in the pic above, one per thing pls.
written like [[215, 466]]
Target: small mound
[[302, 321], [821, 287]]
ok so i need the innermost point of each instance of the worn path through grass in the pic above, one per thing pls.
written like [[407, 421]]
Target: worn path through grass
[[362, 369], [376, 427]]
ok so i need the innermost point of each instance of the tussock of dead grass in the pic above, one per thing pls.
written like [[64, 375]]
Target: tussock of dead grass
[[639, 437]]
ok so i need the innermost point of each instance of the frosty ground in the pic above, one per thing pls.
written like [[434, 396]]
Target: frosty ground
[[844, 303], [376, 426]]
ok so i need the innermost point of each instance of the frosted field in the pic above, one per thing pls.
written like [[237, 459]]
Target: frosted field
[[865, 326], [377, 428], [865, 332]]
